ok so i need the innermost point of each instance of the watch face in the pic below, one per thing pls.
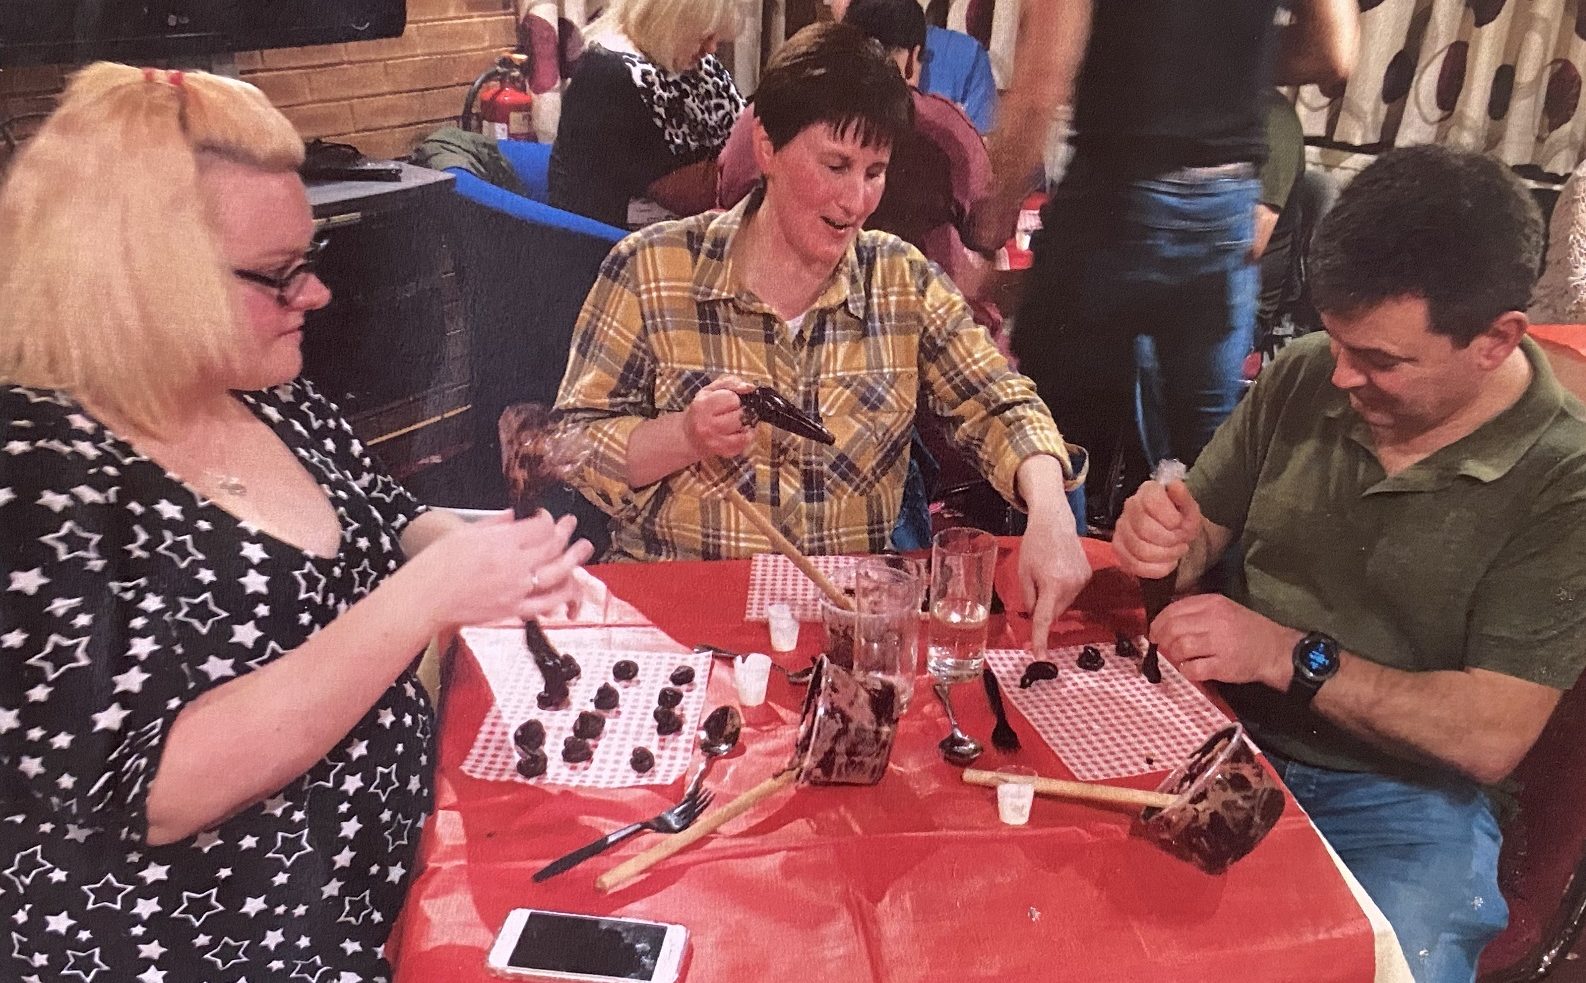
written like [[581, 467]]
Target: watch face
[[1318, 659]]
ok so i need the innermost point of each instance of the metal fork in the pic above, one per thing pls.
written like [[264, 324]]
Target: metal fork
[[673, 820]]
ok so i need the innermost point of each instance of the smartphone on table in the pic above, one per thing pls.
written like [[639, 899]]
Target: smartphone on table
[[553, 945]]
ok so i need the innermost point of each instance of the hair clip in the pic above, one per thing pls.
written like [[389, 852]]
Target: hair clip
[[173, 78]]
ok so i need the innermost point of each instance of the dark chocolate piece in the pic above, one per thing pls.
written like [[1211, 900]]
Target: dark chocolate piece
[[589, 726], [1150, 667], [571, 670], [667, 721], [641, 760], [1124, 647], [530, 736], [682, 675], [552, 699], [606, 697], [1036, 671], [669, 697], [1090, 659], [531, 764], [546, 657], [575, 750], [625, 670]]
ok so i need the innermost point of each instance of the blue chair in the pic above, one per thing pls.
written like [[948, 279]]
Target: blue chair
[[531, 163], [524, 268]]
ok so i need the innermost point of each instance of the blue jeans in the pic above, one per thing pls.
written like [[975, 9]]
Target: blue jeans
[[1120, 258], [1426, 854], [1149, 412]]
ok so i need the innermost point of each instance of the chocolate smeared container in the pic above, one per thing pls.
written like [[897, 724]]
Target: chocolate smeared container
[[1225, 803], [847, 727]]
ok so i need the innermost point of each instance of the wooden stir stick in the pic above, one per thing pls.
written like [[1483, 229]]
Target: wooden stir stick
[[629, 869], [1088, 791], [782, 545]]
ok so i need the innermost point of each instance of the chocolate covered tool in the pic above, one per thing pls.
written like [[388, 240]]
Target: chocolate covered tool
[[844, 738], [535, 457], [766, 405], [1211, 811], [718, 735]]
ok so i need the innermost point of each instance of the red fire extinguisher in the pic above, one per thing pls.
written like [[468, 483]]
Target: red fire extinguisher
[[504, 100]]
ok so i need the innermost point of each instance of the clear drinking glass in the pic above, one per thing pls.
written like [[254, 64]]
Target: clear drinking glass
[[963, 562], [888, 591], [837, 640]]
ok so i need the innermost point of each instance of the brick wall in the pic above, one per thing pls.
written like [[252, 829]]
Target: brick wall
[[383, 96]]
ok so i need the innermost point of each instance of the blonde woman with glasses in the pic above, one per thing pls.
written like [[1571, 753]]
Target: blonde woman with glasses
[[214, 756]]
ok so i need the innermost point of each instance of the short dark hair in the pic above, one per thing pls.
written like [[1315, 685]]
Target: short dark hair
[[834, 74], [1456, 229], [897, 24]]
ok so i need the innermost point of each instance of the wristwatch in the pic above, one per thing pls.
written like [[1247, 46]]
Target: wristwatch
[[1315, 662]]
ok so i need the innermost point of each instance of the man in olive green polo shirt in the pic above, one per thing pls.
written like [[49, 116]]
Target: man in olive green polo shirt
[[1406, 496]]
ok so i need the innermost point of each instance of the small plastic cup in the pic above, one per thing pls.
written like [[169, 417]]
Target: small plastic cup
[[750, 674], [784, 627], [1015, 795]]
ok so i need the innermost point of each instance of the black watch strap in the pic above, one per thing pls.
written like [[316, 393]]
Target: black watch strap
[[1316, 660]]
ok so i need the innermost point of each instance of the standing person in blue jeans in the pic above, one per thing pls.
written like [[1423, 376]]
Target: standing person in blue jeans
[[1405, 498], [1151, 228]]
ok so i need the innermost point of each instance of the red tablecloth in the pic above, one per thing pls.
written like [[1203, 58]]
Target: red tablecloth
[[911, 879]]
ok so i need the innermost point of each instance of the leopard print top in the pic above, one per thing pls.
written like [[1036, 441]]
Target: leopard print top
[[695, 109]]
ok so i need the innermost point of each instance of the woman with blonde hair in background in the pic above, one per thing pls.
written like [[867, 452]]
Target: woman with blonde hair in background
[[214, 756], [646, 111]]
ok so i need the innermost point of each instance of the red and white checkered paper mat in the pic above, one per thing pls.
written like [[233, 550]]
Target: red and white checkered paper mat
[[515, 682], [596, 606], [773, 577], [1112, 722]]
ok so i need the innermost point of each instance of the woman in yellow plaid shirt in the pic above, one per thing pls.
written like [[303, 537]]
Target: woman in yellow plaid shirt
[[786, 291]]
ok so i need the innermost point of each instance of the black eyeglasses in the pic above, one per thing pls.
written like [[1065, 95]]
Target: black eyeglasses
[[288, 286]]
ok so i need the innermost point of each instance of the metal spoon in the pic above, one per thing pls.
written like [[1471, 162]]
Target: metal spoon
[[958, 748], [798, 677], [718, 734]]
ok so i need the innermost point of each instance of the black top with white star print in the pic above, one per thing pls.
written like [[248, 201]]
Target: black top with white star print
[[124, 595]]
